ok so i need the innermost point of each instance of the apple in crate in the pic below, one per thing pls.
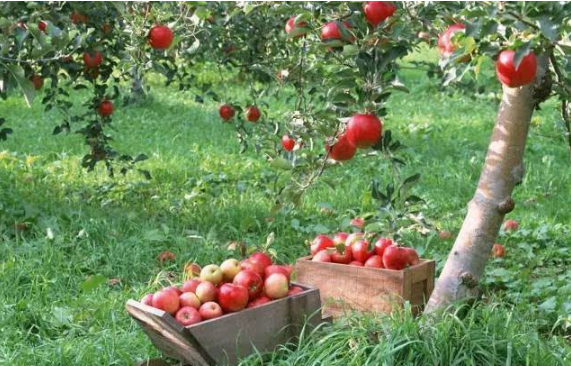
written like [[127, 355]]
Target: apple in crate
[[230, 268], [276, 286], [206, 292], [262, 257], [322, 256], [211, 273], [294, 290], [320, 243], [233, 297], [251, 281], [210, 310], [189, 299], [188, 315], [375, 261], [147, 300], [275, 268], [166, 300], [190, 285], [258, 301], [254, 265]]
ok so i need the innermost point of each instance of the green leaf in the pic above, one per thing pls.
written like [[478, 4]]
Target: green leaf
[[520, 53], [350, 50], [549, 29], [281, 163], [26, 85], [92, 283]]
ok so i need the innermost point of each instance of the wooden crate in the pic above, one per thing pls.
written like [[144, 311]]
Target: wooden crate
[[224, 340], [344, 288]]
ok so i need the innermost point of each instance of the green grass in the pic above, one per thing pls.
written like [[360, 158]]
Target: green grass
[[58, 308]]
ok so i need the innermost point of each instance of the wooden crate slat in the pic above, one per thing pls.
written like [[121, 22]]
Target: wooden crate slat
[[344, 288], [168, 335]]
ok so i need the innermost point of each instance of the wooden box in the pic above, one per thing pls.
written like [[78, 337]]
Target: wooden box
[[344, 288], [224, 340]]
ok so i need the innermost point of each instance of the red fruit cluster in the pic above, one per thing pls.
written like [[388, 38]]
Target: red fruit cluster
[[160, 37], [362, 132], [354, 250], [230, 287]]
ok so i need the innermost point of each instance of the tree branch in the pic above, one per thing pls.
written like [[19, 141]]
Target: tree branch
[[564, 103]]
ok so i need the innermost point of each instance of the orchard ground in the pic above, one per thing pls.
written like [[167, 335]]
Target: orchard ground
[[92, 242]]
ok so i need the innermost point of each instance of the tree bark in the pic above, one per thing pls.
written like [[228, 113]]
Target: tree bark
[[503, 170], [137, 91]]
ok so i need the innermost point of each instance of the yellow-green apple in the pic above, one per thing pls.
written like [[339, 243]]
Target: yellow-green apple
[[230, 268], [211, 273]]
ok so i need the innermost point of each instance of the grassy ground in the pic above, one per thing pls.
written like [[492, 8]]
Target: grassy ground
[[92, 242]]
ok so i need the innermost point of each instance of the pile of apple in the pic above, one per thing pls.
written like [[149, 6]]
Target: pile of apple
[[228, 288], [355, 250]]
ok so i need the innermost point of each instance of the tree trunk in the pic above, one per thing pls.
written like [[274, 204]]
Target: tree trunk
[[137, 91], [502, 170]]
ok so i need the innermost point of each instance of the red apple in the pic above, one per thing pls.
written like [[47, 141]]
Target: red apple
[[252, 113], [254, 265], [412, 256], [343, 253], [342, 150], [211, 273], [330, 31], [43, 26], [294, 290], [261, 300], [276, 286], [395, 258], [321, 242], [105, 108], [262, 257], [340, 238], [288, 143], [210, 310], [275, 268], [445, 45], [226, 112], [376, 261], [175, 289], [321, 256], [206, 292], [147, 300], [352, 238], [92, 59], [188, 315], [511, 225], [356, 263], [382, 244], [360, 250], [498, 251], [251, 281], [364, 130], [233, 297], [189, 299], [230, 268], [511, 76], [378, 11], [166, 300], [77, 18], [294, 30], [190, 285], [358, 222], [37, 81], [160, 37]]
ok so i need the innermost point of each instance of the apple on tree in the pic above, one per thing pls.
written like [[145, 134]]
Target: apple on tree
[[288, 143], [445, 45], [364, 130], [333, 35], [37, 81], [378, 11], [92, 59], [252, 114], [295, 30], [226, 112], [105, 109], [342, 150], [513, 76], [160, 37]]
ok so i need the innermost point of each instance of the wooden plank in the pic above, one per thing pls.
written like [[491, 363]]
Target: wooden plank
[[167, 335], [430, 278], [346, 288]]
